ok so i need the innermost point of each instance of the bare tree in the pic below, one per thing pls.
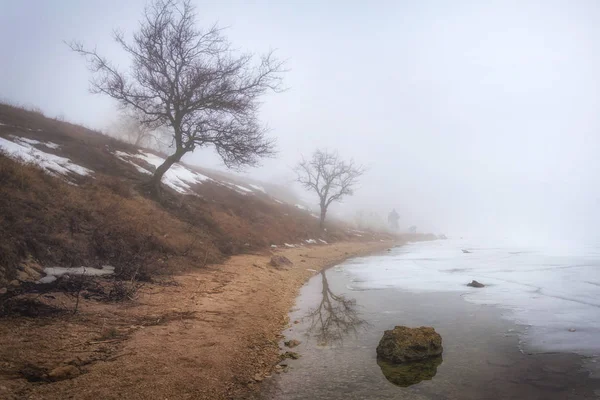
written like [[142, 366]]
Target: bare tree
[[191, 81], [335, 317], [329, 176], [129, 129]]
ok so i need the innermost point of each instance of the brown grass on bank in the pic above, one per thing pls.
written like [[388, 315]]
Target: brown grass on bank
[[97, 223], [107, 220]]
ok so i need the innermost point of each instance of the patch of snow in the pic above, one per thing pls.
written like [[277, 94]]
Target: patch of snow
[[178, 177], [315, 216], [300, 206], [123, 156], [278, 201], [258, 188], [311, 270], [274, 246], [25, 141], [53, 273], [52, 163], [311, 241], [322, 241], [237, 188], [288, 245]]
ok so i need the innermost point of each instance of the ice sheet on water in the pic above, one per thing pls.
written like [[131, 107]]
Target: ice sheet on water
[[550, 289]]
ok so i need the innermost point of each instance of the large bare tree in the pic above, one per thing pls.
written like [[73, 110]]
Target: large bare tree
[[329, 176], [191, 81]]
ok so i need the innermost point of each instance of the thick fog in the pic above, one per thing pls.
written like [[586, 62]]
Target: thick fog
[[473, 118]]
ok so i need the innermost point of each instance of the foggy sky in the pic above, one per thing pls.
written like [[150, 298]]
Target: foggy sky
[[474, 118]]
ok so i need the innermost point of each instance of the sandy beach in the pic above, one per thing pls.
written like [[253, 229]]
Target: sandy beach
[[208, 334]]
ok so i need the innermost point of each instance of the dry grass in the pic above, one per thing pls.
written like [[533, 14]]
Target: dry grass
[[94, 224], [108, 219]]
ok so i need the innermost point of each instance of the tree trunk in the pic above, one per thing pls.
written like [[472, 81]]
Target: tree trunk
[[164, 167], [322, 220], [138, 140]]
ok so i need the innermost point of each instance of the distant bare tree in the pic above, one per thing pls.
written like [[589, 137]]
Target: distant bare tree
[[191, 81], [335, 317], [329, 176], [129, 129]]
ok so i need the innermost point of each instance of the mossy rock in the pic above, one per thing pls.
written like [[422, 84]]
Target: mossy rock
[[403, 344], [410, 373]]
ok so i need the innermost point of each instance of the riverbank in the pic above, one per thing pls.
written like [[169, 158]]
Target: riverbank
[[207, 334], [341, 322]]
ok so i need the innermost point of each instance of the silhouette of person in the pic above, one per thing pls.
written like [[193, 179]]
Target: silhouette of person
[[393, 218]]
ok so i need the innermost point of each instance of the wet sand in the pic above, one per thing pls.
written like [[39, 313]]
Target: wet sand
[[481, 358], [211, 334]]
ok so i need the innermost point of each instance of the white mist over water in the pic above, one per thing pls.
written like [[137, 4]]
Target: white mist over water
[[551, 290]]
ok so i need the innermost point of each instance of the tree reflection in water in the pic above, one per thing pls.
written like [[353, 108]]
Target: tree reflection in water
[[335, 317]]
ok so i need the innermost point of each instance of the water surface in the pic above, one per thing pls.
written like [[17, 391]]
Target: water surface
[[340, 319]]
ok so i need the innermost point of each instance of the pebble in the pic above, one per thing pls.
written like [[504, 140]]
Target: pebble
[[63, 372]]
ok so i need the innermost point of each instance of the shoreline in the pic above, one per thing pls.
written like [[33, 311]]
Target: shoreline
[[481, 356], [209, 334]]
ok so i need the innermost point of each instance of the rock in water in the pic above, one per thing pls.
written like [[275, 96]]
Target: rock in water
[[403, 344], [411, 373], [476, 284]]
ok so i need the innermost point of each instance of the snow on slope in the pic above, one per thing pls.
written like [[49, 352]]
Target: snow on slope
[[179, 177], [258, 188], [23, 149]]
